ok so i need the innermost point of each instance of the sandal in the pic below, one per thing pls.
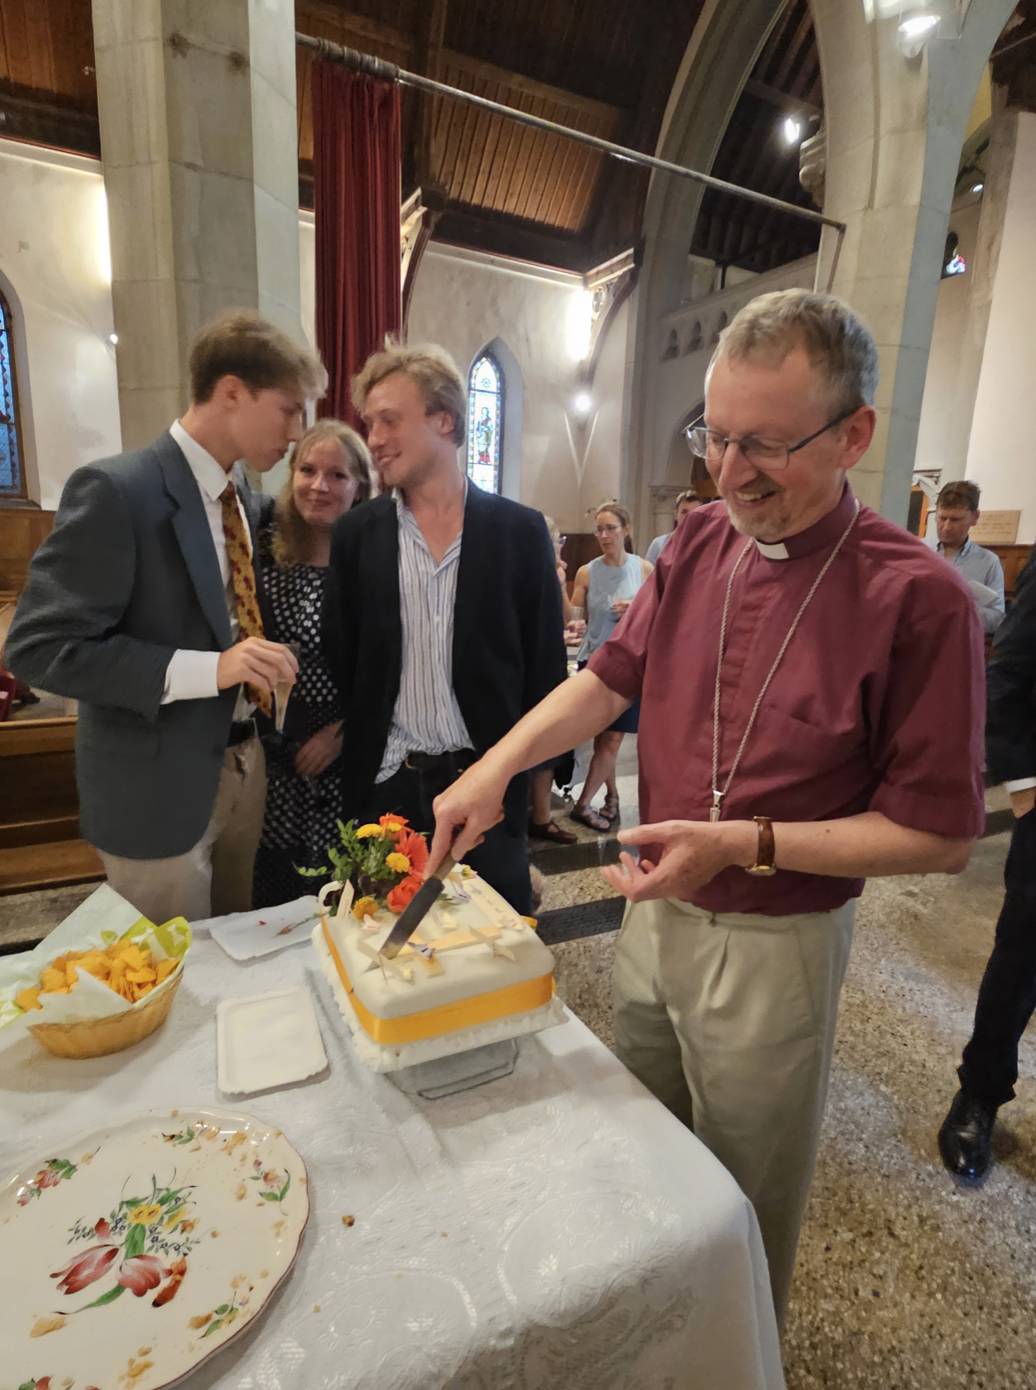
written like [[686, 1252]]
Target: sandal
[[610, 809], [552, 832], [586, 815]]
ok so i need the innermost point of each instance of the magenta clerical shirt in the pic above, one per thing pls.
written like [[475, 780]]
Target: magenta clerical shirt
[[877, 705]]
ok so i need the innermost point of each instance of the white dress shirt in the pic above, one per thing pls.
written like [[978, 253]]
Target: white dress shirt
[[191, 675], [427, 717]]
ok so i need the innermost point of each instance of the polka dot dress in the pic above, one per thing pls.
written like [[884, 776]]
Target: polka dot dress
[[301, 812]]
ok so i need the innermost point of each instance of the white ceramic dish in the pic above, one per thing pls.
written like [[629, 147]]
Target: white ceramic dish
[[268, 1040], [247, 935], [134, 1252]]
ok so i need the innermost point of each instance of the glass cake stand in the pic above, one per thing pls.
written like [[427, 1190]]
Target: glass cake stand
[[462, 1071]]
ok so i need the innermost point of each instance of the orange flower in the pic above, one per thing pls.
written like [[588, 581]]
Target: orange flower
[[400, 897], [414, 847], [391, 826]]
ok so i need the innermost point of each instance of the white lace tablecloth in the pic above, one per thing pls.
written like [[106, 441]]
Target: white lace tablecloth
[[557, 1228]]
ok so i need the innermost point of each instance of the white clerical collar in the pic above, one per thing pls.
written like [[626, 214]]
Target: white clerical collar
[[773, 552]]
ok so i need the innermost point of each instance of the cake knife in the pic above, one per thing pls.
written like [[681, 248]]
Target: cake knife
[[416, 910]]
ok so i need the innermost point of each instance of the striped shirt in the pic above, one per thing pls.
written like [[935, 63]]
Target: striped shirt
[[427, 718]]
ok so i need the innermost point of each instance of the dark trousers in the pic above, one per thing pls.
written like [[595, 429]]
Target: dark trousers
[[1007, 996], [503, 857]]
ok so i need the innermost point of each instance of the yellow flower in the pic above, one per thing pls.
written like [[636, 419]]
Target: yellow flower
[[398, 863], [390, 829], [366, 831], [365, 907], [143, 1216]]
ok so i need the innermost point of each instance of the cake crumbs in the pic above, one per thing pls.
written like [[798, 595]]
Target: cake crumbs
[[348, 1220], [214, 1234], [241, 1193], [316, 1307]]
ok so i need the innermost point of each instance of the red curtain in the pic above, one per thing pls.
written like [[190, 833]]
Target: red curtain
[[356, 174]]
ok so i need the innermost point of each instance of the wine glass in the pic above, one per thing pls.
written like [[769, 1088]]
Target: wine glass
[[283, 689]]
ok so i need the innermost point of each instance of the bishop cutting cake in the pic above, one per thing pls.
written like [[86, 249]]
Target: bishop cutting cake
[[473, 973]]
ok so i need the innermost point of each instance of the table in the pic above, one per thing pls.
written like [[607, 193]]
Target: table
[[556, 1228]]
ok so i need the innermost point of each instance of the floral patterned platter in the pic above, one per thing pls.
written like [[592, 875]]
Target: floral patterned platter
[[132, 1253]]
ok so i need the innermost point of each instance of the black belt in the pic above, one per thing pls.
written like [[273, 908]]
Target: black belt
[[240, 731], [428, 764]]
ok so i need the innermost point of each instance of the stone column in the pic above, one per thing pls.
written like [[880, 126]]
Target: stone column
[[722, 50], [895, 127], [199, 141]]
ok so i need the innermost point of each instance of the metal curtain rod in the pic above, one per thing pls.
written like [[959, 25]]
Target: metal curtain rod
[[377, 67]]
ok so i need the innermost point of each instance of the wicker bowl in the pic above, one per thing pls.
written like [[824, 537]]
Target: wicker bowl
[[96, 1037]]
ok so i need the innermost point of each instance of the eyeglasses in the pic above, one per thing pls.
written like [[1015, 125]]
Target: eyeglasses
[[606, 530], [770, 455]]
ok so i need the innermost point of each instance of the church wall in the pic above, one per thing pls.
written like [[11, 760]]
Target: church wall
[[601, 463], [463, 300], [1002, 451], [55, 266]]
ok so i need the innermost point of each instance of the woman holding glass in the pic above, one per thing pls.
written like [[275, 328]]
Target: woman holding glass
[[330, 473], [603, 590]]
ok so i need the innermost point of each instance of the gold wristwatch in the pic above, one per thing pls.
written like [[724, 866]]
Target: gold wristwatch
[[764, 867]]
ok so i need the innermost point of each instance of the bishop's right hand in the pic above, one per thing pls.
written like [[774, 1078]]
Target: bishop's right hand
[[465, 811]]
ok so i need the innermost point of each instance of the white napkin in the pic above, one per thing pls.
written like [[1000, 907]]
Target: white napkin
[[245, 935]]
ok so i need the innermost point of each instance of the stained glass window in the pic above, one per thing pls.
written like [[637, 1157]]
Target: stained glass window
[[485, 422], [11, 477]]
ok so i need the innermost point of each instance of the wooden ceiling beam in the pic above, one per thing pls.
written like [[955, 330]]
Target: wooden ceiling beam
[[795, 106]]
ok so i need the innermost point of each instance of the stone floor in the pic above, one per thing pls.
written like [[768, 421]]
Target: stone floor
[[904, 1281]]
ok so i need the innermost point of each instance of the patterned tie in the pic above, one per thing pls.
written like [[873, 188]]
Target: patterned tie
[[242, 576]]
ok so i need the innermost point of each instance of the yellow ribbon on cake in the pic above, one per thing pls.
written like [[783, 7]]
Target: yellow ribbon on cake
[[446, 1018]]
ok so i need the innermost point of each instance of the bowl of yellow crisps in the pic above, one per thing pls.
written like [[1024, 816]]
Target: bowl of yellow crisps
[[124, 967], [102, 981]]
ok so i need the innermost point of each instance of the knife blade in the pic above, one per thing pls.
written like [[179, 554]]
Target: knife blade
[[416, 910]]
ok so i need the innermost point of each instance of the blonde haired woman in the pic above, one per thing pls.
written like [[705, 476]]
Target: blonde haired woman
[[604, 589], [330, 474]]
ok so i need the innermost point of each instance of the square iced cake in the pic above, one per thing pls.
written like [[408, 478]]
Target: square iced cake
[[474, 972]]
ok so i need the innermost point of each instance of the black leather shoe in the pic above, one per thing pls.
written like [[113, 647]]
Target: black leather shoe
[[964, 1139]]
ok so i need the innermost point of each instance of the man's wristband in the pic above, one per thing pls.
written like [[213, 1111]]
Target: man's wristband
[[766, 853]]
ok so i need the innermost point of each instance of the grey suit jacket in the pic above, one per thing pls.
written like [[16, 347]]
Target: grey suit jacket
[[128, 575]]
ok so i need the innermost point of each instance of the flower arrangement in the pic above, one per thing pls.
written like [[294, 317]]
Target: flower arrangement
[[385, 864]]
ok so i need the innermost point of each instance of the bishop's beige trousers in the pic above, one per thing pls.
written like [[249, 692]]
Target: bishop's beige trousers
[[729, 1019]]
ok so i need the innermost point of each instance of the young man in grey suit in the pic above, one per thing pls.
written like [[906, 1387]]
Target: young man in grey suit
[[141, 605]]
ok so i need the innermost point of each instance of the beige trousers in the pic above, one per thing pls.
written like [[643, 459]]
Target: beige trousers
[[729, 1019], [216, 875]]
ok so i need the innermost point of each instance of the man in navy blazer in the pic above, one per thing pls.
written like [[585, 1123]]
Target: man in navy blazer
[[442, 614], [130, 608]]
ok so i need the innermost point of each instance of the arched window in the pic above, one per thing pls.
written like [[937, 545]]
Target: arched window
[[485, 422], [12, 475]]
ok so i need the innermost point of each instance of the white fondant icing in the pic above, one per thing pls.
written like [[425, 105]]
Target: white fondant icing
[[382, 1058]]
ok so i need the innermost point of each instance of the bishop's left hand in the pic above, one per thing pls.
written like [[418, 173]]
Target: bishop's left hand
[[693, 852]]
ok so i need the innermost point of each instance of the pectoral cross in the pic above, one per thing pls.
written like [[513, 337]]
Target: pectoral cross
[[714, 812]]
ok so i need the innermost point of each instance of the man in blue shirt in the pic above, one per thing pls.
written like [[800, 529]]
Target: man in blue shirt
[[686, 502], [956, 511]]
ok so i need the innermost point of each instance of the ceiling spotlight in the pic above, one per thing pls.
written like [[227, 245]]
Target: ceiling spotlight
[[791, 130], [113, 338], [916, 26], [582, 404], [977, 187]]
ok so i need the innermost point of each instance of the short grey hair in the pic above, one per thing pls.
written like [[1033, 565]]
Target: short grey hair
[[839, 344]]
